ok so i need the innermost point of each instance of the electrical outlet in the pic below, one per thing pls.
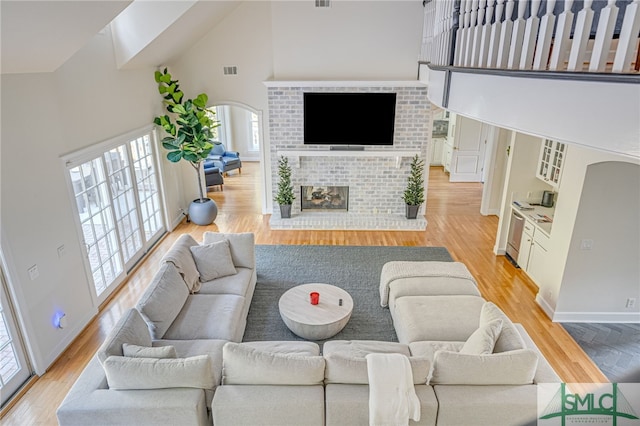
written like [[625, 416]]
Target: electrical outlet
[[34, 272], [586, 244], [631, 302], [61, 252]]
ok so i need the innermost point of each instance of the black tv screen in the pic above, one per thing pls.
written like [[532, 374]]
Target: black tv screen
[[349, 118]]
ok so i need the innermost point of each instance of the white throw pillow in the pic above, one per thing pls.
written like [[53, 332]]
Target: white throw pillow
[[505, 368], [213, 260], [135, 351], [510, 338], [246, 365], [242, 246], [153, 373], [483, 339]]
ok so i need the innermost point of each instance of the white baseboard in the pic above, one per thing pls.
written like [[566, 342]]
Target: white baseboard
[[546, 307], [626, 317]]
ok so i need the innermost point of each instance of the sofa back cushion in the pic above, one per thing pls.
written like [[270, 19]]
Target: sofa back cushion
[[506, 368], [154, 373], [241, 245], [509, 339], [131, 328], [135, 351], [483, 340], [246, 365], [180, 255], [163, 300], [349, 369]]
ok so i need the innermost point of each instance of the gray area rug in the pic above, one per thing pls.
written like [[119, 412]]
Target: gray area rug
[[356, 269], [614, 348]]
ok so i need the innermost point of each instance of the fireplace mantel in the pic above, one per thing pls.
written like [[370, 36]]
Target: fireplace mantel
[[398, 154]]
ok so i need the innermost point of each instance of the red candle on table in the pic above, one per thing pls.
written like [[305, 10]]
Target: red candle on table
[[315, 297]]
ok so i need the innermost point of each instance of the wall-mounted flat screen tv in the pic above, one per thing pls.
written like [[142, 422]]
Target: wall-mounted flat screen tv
[[349, 118]]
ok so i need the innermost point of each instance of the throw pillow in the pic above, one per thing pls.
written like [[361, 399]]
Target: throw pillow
[[483, 339], [246, 365], [242, 246], [510, 338], [153, 373], [135, 351], [506, 368], [213, 260]]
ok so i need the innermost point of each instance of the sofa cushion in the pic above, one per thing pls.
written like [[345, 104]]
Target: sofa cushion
[[208, 316], [428, 349], [153, 373], [246, 365], [361, 348], [213, 260], [439, 318], [483, 339], [343, 368], [131, 328], [163, 300], [180, 256], [135, 351], [189, 348], [240, 284], [509, 339], [291, 347], [241, 245], [505, 368]]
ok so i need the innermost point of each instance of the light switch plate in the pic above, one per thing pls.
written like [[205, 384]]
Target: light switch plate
[[34, 272]]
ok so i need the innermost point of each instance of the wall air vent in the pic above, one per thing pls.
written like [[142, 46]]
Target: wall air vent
[[230, 70], [323, 3]]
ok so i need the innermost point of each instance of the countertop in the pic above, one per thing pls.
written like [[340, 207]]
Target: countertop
[[545, 227]]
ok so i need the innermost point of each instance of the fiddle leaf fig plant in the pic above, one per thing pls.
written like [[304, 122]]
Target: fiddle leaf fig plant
[[188, 125]]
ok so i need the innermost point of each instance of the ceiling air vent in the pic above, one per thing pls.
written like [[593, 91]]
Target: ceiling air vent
[[323, 3], [230, 70]]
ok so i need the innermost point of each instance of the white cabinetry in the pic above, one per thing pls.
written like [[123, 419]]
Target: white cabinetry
[[437, 149], [532, 257], [552, 155]]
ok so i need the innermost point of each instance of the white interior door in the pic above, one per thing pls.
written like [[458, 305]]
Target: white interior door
[[469, 145], [14, 369]]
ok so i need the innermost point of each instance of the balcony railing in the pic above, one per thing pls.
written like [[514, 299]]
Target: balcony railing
[[539, 35]]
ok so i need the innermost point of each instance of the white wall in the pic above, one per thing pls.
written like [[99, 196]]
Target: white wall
[[351, 40], [567, 213], [45, 116], [597, 282]]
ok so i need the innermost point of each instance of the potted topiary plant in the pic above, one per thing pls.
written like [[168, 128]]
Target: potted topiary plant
[[284, 195], [414, 193], [189, 138]]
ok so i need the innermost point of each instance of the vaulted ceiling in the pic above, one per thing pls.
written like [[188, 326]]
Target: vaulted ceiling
[[40, 36]]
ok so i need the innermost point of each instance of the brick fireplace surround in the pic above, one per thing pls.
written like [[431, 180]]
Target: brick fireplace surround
[[376, 177]]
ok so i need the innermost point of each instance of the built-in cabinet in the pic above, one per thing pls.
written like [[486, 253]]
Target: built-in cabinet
[[532, 256], [552, 156], [437, 148]]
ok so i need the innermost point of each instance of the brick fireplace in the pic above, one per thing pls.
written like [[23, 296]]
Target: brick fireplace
[[376, 176]]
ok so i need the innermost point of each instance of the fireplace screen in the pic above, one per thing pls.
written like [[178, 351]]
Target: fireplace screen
[[325, 198]]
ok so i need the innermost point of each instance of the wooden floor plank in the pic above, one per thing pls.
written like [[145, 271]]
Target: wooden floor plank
[[454, 222]]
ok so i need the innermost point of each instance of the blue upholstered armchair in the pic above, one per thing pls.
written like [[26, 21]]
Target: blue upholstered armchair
[[223, 159]]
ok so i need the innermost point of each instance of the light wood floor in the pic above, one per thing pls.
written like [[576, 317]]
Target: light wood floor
[[454, 222]]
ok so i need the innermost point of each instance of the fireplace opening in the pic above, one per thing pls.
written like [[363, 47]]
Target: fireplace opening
[[322, 198]]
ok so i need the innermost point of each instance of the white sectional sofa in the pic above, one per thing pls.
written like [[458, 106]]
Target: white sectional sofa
[[176, 358]]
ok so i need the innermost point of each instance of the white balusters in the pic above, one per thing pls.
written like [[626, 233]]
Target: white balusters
[[477, 32], [485, 35], [530, 37], [604, 36], [584, 19], [506, 31], [494, 36], [628, 38], [545, 33], [469, 45], [517, 37], [561, 42], [463, 21]]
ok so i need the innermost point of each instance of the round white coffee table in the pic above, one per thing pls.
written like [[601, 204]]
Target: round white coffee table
[[315, 322]]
